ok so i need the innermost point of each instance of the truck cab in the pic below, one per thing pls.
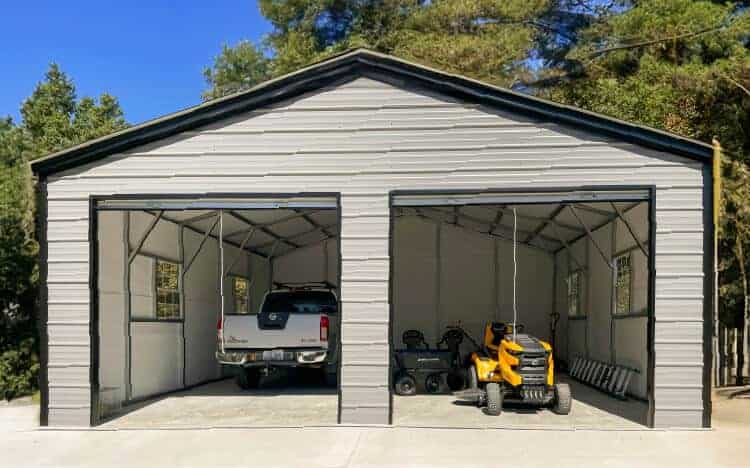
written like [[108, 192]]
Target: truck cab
[[296, 326]]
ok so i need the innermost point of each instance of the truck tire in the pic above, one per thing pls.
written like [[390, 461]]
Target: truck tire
[[471, 378], [330, 378], [563, 399], [248, 379], [494, 399], [405, 385]]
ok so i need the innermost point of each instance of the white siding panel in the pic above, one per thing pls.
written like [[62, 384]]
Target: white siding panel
[[68, 252], [69, 376], [72, 355], [666, 418], [77, 292], [364, 354], [74, 417], [68, 210], [373, 270], [364, 140], [364, 291], [69, 230], [68, 272], [373, 397], [67, 313], [365, 312], [364, 333], [70, 397], [370, 376], [68, 334]]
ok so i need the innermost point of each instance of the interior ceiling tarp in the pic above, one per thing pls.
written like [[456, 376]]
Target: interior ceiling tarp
[[546, 220], [269, 227]]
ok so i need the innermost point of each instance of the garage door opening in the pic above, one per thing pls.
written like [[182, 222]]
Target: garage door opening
[[216, 312], [583, 283]]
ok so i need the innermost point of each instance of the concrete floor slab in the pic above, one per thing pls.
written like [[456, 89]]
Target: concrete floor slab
[[591, 409], [224, 404]]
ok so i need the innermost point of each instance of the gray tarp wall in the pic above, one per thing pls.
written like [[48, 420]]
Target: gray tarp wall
[[154, 358], [589, 336], [473, 284]]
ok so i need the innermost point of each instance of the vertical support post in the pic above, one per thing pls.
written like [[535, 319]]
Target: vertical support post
[[181, 294], [613, 296], [221, 270], [126, 298], [496, 280], [438, 276]]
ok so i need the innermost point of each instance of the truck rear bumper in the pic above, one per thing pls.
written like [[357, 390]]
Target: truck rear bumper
[[273, 358]]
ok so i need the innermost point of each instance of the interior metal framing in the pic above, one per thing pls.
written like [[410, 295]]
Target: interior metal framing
[[156, 205], [567, 197]]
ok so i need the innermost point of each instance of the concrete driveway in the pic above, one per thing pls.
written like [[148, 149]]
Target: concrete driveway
[[726, 445]]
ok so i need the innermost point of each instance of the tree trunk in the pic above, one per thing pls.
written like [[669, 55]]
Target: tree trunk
[[741, 326]]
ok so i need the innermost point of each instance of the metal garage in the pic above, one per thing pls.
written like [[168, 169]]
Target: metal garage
[[376, 132]]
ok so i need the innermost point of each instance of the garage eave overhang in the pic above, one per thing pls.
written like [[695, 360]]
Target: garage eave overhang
[[350, 65]]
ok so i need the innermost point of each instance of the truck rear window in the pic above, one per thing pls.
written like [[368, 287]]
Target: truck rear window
[[300, 302]]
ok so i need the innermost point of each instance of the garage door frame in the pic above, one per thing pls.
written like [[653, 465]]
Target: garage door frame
[[179, 201], [582, 193]]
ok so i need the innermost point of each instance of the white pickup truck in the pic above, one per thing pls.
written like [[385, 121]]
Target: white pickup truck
[[296, 326]]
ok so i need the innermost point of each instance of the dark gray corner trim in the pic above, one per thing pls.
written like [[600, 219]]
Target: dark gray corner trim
[[708, 293], [346, 67], [43, 311]]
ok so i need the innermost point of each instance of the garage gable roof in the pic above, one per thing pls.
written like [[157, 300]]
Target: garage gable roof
[[362, 62]]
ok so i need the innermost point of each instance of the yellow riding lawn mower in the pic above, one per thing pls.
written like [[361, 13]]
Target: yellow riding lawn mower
[[513, 367]]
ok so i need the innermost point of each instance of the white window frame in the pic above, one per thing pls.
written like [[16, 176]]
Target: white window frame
[[179, 317], [578, 274], [232, 279], [616, 264]]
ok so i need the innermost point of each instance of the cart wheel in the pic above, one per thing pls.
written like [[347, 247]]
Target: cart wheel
[[405, 385], [471, 377], [494, 399], [563, 399], [432, 383]]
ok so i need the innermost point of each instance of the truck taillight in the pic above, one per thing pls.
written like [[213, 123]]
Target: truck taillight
[[324, 327], [219, 332]]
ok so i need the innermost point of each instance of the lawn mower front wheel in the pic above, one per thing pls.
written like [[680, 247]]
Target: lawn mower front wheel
[[563, 399]]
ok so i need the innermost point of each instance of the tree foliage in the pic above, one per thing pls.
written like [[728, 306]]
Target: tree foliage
[[52, 119]]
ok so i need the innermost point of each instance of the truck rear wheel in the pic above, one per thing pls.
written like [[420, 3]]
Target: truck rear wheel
[[494, 399], [563, 399], [248, 378]]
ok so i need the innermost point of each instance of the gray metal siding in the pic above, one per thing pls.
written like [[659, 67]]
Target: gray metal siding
[[364, 139]]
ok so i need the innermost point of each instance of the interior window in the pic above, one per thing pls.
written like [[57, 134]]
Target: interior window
[[624, 272], [167, 292], [574, 294], [241, 295]]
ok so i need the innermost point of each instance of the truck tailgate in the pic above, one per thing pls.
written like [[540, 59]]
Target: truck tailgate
[[299, 331]]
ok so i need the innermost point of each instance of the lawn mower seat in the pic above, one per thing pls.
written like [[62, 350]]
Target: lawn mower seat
[[414, 339], [493, 335], [451, 340]]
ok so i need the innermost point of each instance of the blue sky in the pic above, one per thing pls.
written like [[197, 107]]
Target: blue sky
[[148, 53]]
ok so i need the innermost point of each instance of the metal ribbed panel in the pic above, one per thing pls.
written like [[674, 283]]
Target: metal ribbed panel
[[364, 140]]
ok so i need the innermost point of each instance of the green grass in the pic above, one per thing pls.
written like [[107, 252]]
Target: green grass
[[36, 397]]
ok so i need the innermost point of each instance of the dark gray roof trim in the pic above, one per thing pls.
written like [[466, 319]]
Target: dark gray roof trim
[[346, 67]]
